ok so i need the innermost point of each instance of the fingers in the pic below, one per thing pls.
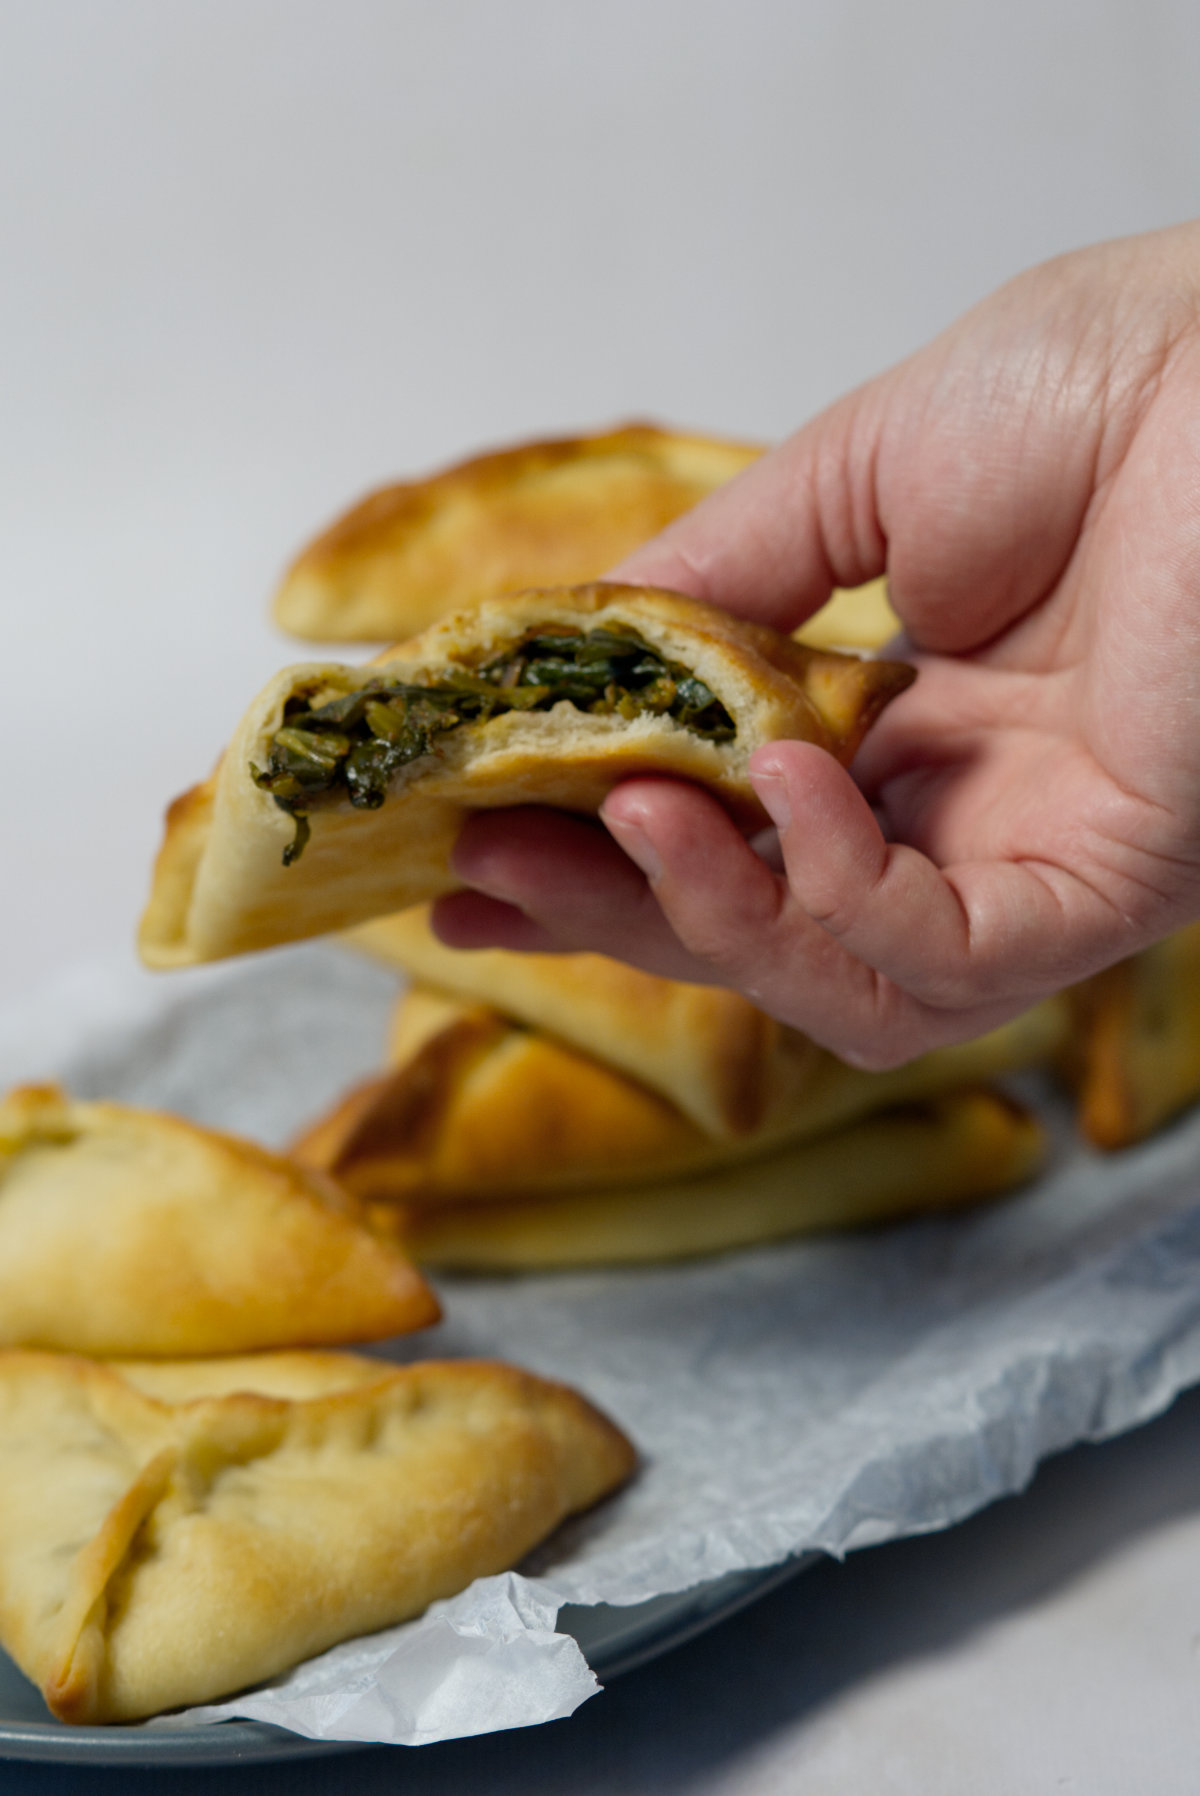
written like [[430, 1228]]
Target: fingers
[[886, 904], [738, 919], [969, 472], [473, 920], [569, 885], [690, 899], [723, 902], [972, 936], [773, 543], [865, 946]]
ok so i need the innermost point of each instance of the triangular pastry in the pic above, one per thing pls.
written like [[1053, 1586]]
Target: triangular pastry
[[704, 1049], [477, 1110], [943, 1154], [160, 1549], [853, 617], [732, 1071], [538, 514], [125, 1231], [1134, 1056], [542, 698]]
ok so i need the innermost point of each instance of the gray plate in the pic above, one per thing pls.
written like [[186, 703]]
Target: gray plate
[[613, 1640]]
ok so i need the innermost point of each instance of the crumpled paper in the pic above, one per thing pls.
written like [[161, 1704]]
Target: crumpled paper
[[480, 1662], [819, 1395]]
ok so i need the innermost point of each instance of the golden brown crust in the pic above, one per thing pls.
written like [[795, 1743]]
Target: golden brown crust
[[155, 1553], [297, 1375], [952, 1150], [361, 864], [517, 1114], [854, 617], [487, 1110], [399, 1118], [126, 1231], [186, 830], [1134, 1058], [538, 514], [706, 1050]]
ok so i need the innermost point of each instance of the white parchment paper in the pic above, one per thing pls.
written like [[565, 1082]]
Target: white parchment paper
[[822, 1395]]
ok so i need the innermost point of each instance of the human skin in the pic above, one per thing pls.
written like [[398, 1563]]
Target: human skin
[[1029, 811]]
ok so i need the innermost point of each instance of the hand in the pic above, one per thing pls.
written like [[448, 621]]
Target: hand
[[1029, 811]]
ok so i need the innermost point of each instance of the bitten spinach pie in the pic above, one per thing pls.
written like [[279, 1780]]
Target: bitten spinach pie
[[344, 789]]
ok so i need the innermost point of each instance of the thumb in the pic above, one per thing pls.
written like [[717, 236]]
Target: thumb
[[774, 543]]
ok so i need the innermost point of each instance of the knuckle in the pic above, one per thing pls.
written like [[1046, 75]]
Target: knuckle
[[734, 933], [841, 905], [837, 916], [943, 989], [955, 983], [723, 950], [899, 1028], [738, 959]]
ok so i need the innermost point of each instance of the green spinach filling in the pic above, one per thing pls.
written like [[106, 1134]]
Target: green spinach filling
[[353, 745]]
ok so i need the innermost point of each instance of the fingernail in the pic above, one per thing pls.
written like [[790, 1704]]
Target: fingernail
[[636, 845], [773, 797]]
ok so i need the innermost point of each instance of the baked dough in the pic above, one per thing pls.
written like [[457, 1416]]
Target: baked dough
[[221, 887], [1134, 1056], [853, 617], [725, 1065], [951, 1151], [704, 1049], [125, 1231], [539, 514], [477, 1110], [166, 1549], [297, 1375]]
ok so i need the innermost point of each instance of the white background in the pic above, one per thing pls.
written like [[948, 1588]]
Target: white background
[[259, 256]]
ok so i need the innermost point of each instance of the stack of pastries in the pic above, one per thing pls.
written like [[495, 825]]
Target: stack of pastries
[[200, 1487], [550, 1110], [563, 1110]]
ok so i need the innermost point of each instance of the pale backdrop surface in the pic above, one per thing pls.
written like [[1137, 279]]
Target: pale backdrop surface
[[259, 255], [262, 254]]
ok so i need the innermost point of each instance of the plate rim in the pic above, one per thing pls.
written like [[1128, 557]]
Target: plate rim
[[636, 1634]]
